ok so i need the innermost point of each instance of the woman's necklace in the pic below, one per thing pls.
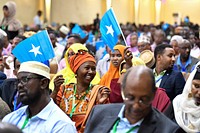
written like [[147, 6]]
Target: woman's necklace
[[79, 98]]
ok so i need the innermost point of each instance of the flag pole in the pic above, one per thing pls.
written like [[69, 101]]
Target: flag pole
[[119, 27]]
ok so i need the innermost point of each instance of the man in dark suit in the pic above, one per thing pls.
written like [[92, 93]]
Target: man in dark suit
[[137, 115], [173, 82]]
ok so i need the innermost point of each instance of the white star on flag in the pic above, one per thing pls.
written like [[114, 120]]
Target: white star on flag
[[35, 50], [110, 30]]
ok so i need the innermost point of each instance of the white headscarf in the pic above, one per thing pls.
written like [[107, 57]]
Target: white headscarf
[[10, 21], [187, 113]]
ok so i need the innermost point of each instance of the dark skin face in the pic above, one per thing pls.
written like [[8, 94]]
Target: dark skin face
[[30, 91], [196, 91], [133, 40], [158, 38], [116, 58], [143, 46], [167, 59], [86, 72], [184, 50], [70, 41], [53, 39], [5, 12], [137, 91]]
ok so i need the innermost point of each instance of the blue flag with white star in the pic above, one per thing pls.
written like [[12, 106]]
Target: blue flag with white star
[[77, 30], [109, 29], [35, 48]]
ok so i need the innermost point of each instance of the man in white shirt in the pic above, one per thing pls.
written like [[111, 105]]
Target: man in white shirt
[[41, 114]]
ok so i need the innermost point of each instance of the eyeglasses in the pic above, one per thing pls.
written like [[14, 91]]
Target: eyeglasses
[[131, 100], [25, 79]]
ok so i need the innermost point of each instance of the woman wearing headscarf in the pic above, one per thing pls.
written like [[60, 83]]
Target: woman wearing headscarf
[[116, 57], [66, 75], [186, 106], [77, 99], [132, 40], [9, 23], [115, 86]]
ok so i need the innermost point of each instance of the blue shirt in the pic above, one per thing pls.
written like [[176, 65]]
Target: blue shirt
[[124, 125], [50, 119], [183, 68]]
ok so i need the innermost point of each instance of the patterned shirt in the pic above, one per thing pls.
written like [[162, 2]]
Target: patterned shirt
[[68, 99]]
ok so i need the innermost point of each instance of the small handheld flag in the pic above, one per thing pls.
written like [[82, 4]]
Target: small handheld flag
[[35, 48], [110, 29], [77, 30]]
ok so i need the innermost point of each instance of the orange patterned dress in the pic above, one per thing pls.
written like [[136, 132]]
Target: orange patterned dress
[[72, 104]]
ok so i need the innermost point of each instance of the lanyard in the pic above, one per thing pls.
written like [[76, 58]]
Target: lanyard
[[129, 131], [74, 100], [159, 79], [25, 123]]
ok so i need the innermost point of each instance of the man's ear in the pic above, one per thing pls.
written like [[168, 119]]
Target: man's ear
[[44, 83], [158, 57]]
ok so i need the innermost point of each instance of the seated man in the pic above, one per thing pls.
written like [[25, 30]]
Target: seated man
[[185, 62], [137, 115], [41, 114]]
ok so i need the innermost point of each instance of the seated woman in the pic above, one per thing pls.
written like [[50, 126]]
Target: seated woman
[[115, 86], [66, 75], [116, 57], [161, 100], [186, 106], [77, 99]]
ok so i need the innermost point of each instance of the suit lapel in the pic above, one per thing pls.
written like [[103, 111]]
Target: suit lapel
[[109, 122], [148, 124], [164, 79]]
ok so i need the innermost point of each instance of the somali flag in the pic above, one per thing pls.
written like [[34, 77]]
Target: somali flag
[[35, 48], [77, 30], [109, 29]]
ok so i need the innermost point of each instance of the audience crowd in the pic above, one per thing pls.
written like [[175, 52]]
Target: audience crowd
[[149, 82]]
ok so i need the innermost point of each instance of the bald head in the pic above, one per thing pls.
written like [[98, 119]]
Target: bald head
[[139, 73]]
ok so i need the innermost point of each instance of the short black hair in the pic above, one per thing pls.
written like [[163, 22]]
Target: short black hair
[[76, 37], [160, 49], [5, 7]]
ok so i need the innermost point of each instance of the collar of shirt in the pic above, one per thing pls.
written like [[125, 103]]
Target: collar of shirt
[[124, 124], [188, 62], [158, 75], [44, 113]]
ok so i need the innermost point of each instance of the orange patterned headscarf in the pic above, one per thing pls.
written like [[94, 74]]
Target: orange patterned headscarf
[[78, 59], [113, 72]]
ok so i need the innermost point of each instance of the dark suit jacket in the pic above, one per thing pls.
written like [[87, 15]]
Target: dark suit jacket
[[8, 90], [103, 117], [173, 82]]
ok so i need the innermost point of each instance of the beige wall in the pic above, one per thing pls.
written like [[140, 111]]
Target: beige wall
[[184, 7], [124, 10], [26, 10], [79, 11], [146, 11], [84, 11]]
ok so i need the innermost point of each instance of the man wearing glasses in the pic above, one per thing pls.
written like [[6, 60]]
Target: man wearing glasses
[[41, 114], [136, 114]]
